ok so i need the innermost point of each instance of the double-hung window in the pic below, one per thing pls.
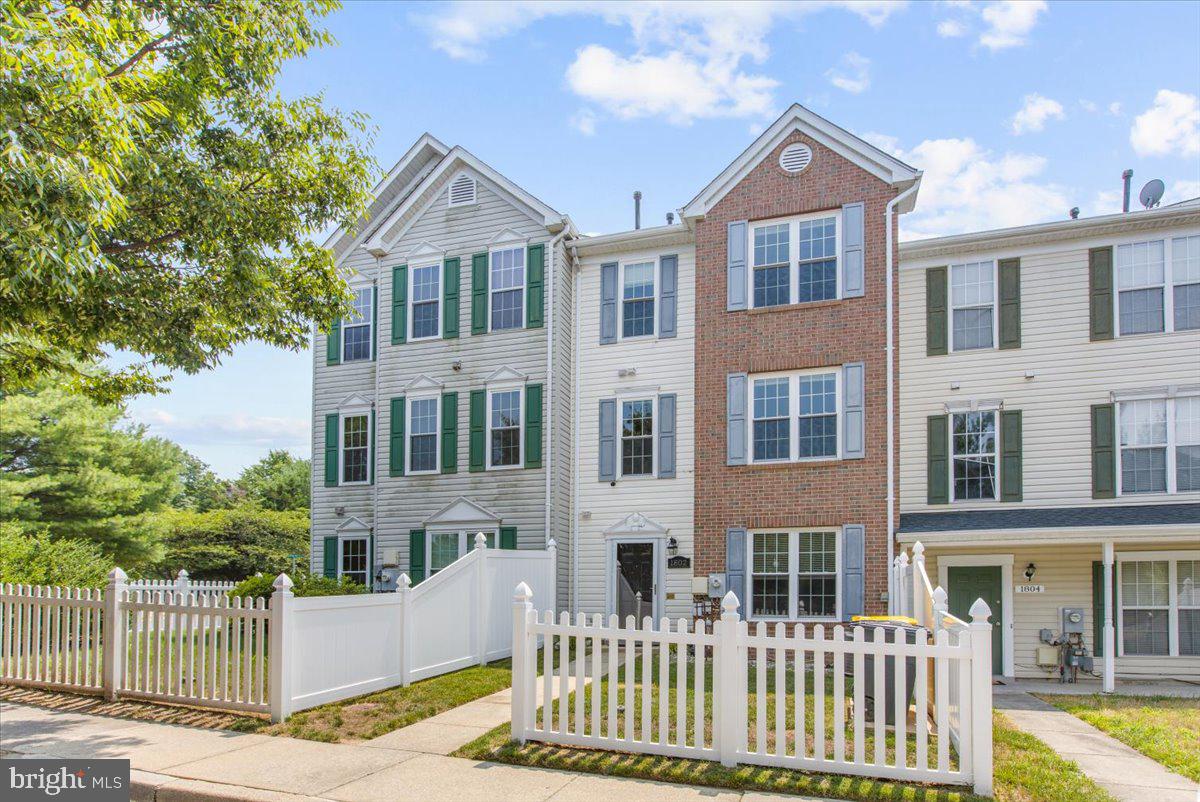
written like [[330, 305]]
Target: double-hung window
[[423, 434], [507, 288], [1159, 603], [1185, 276], [793, 574], [973, 305], [426, 294], [794, 261], [637, 300], [973, 443], [805, 429], [353, 563], [1141, 270], [356, 329], [355, 448], [1160, 444], [444, 547], [637, 437], [504, 428]]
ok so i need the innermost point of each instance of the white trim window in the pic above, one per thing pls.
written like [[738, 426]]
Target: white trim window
[[355, 448], [506, 427], [425, 302], [506, 288], [1141, 296], [795, 260], [973, 305], [354, 563], [974, 475], [809, 429], [794, 574], [1185, 278], [1159, 603], [443, 547], [357, 328], [637, 299], [637, 437], [1159, 440], [423, 425]]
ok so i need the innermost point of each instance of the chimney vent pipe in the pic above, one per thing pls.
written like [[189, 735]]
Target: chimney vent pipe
[[1126, 176], [637, 208]]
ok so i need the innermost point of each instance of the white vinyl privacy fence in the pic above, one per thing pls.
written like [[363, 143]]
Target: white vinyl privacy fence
[[833, 700]]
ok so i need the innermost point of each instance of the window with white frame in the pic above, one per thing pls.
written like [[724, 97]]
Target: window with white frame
[[356, 438], [504, 428], [973, 305], [1160, 444], [1187, 443], [806, 430], [1187, 603], [423, 434], [443, 547], [794, 261], [1185, 277], [507, 287], [793, 574], [637, 437], [973, 443], [1141, 271], [354, 562], [637, 299], [426, 303], [1159, 604], [356, 328]]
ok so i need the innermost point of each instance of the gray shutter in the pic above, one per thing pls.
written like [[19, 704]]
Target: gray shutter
[[735, 414], [608, 440], [736, 267], [854, 425], [735, 564], [853, 278], [608, 303], [854, 537], [668, 266], [666, 436]]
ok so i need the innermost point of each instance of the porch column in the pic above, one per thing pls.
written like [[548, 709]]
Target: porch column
[[1110, 641]]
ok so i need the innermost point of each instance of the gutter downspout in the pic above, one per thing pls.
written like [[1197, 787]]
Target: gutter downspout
[[550, 371], [891, 384], [375, 429], [575, 419]]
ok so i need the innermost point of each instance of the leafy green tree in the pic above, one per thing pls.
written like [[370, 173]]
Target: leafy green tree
[[38, 560], [278, 481], [201, 489], [233, 544], [70, 469], [159, 195]]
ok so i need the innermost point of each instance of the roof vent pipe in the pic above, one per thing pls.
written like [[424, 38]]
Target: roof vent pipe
[[637, 208], [670, 218], [1127, 177]]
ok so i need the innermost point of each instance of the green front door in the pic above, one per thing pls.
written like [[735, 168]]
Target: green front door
[[971, 582]]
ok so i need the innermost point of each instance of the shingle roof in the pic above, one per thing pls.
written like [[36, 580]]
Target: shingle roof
[[1052, 518]]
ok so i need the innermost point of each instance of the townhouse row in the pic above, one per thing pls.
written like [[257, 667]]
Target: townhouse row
[[768, 396]]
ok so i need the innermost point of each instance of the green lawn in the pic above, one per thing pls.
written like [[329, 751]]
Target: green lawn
[[1161, 728]]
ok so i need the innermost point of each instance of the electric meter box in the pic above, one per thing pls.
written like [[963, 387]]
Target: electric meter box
[[1073, 620]]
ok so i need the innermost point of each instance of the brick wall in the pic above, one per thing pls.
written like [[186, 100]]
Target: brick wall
[[792, 338]]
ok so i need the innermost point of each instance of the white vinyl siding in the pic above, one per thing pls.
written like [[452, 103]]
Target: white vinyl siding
[[794, 260], [357, 328]]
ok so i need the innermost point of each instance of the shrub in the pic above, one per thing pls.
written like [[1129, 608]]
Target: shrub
[[233, 543], [39, 560], [305, 585]]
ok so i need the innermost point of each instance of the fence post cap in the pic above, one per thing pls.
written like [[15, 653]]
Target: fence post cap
[[403, 582], [551, 544], [729, 604], [918, 550], [480, 540], [902, 560], [522, 593], [980, 612], [939, 596], [183, 574], [117, 575], [283, 582]]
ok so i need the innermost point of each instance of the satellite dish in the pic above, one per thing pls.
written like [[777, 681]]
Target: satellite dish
[[1152, 193]]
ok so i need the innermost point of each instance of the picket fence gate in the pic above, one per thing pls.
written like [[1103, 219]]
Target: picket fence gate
[[735, 722]]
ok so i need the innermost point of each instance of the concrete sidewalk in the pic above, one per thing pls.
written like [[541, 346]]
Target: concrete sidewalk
[[1126, 773], [182, 764]]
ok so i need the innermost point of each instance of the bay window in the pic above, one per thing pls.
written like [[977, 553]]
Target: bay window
[[794, 261], [973, 443], [426, 295], [356, 328], [507, 289], [1159, 601], [793, 574], [973, 305], [1160, 445], [805, 430]]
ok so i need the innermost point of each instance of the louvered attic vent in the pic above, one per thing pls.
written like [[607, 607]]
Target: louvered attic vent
[[462, 190], [795, 157]]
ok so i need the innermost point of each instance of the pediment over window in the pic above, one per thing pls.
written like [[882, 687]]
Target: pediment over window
[[426, 251], [462, 513], [352, 526], [508, 236], [423, 382], [355, 401], [505, 374], [636, 524]]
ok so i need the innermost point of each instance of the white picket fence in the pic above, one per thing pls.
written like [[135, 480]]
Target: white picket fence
[[685, 691], [183, 584]]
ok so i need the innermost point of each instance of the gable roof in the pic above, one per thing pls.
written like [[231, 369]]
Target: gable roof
[[797, 118]]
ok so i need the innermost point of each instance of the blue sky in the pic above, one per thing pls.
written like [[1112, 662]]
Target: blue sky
[[1016, 112]]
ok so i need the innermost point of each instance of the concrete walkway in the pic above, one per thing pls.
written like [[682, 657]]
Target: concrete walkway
[[1128, 775]]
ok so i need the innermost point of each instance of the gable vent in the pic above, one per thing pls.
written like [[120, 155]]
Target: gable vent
[[462, 190], [795, 157]]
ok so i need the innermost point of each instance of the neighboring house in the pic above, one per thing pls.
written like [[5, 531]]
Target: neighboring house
[[431, 403], [1050, 422]]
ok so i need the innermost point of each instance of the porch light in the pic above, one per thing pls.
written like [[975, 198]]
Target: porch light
[[1030, 570], [672, 546]]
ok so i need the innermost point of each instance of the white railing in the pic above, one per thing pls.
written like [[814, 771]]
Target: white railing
[[767, 698], [50, 637], [184, 585]]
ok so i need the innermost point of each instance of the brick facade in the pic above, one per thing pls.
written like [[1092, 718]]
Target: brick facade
[[795, 337]]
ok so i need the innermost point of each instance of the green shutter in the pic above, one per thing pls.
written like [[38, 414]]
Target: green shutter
[[935, 311], [371, 562], [1010, 455], [416, 555], [508, 537], [1010, 303], [479, 290], [451, 276], [449, 432], [399, 304], [374, 319], [938, 473], [478, 433], [1104, 457], [333, 342], [371, 458], [533, 426], [1098, 606], [329, 566], [1100, 290], [396, 439], [331, 450], [535, 287]]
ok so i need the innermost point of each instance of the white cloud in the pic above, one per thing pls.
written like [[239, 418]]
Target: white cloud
[[1035, 112], [950, 29], [1181, 191], [1009, 22], [1089, 106], [237, 429], [852, 73], [584, 122], [1114, 109], [1171, 125]]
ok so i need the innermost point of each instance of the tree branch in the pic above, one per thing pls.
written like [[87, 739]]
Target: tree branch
[[112, 249], [150, 46]]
